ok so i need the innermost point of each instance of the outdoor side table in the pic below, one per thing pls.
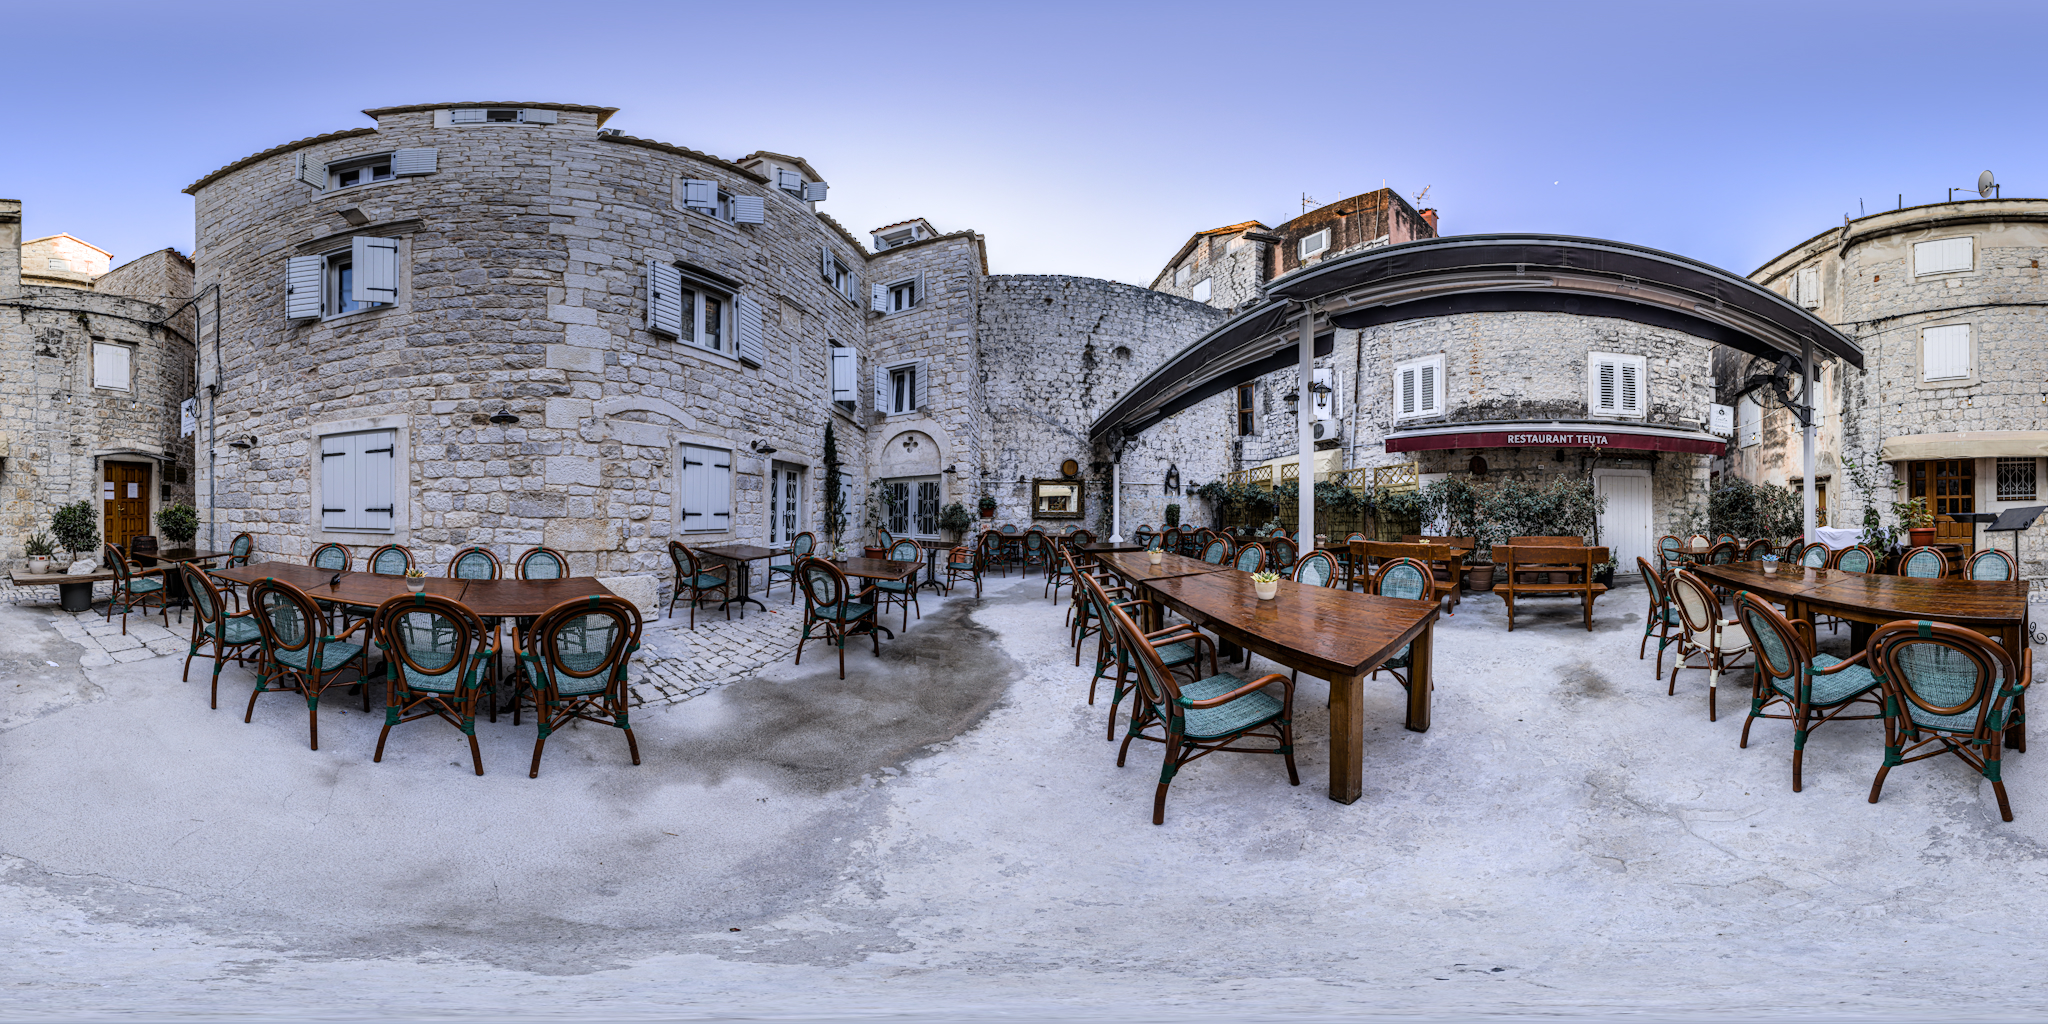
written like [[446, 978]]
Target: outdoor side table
[[741, 555]]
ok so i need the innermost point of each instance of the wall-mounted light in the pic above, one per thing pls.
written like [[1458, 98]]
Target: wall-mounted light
[[763, 448], [951, 469], [504, 417], [1322, 393], [1294, 399], [243, 442]]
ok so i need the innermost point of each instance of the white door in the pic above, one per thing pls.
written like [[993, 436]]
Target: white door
[[785, 503], [1625, 525]]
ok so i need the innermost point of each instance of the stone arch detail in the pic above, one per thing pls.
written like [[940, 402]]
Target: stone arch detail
[[910, 452]]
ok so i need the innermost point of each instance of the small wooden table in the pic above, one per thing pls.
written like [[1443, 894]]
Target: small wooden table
[[74, 593], [740, 555], [1336, 634], [878, 569], [174, 582], [1103, 547]]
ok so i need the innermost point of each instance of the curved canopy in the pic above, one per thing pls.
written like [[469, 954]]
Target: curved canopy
[[1473, 274]]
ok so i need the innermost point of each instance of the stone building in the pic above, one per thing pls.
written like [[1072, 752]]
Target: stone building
[[94, 367], [1226, 267], [507, 324], [1949, 302]]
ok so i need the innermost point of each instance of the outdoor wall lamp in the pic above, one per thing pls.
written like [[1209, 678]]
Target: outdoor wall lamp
[[1294, 399], [763, 448], [243, 442], [955, 468], [504, 417], [1322, 392]]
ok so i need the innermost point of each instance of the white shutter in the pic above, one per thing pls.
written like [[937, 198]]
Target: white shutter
[[302, 287], [312, 172], [1604, 398], [917, 295], [1945, 352], [473, 115], [338, 500], [110, 367], [376, 464], [718, 490], [752, 347], [825, 262], [376, 269], [919, 392], [1631, 390], [882, 390], [1429, 401], [535, 115], [788, 180], [1404, 386], [690, 500], [878, 298], [844, 376], [700, 193], [814, 190], [408, 162], [749, 210], [664, 299], [1809, 288], [1942, 255]]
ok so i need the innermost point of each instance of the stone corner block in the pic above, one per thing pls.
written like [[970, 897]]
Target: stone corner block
[[567, 413], [639, 591], [575, 357], [578, 535], [563, 470]]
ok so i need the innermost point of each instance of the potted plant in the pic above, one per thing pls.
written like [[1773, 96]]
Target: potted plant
[[1918, 520], [179, 523], [415, 579], [988, 507], [875, 512], [77, 529], [1172, 515], [1603, 573], [954, 518], [1266, 585], [39, 547]]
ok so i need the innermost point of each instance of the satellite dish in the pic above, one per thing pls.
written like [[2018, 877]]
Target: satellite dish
[[1985, 183]]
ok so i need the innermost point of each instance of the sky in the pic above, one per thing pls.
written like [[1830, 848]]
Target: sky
[[1093, 138]]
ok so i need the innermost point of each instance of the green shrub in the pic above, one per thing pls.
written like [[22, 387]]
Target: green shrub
[[179, 522], [1172, 516], [39, 545], [955, 517], [76, 527]]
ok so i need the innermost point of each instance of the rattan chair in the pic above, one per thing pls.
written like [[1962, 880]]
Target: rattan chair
[[576, 654], [299, 656], [390, 560], [834, 611], [475, 563], [434, 652], [1756, 550], [1060, 572], [1351, 569], [1317, 569], [1280, 553], [1176, 646], [1219, 713], [1727, 538], [1924, 563], [1250, 558], [135, 587], [1854, 558], [695, 580], [1814, 688], [1794, 549], [1409, 579], [1143, 535], [1217, 552], [962, 563], [1722, 553], [800, 548], [229, 634], [331, 557], [1947, 690], [1815, 556], [541, 564], [1660, 617], [1705, 634], [1670, 552], [1989, 564], [239, 551], [904, 591], [1037, 551]]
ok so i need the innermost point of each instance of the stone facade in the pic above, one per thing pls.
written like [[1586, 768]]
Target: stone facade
[[1226, 267], [61, 261], [58, 430], [1864, 278], [523, 253]]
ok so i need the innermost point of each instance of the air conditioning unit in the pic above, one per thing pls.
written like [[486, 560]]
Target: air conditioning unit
[[1326, 430]]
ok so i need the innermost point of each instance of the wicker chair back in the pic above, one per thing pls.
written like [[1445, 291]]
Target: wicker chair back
[[1216, 552], [474, 564], [1251, 558], [583, 644], [240, 549], [906, 550], [1854, 558], [1990, 565], [390, 560], [1407, 578], [1756, 550], [1815, 556], [1317, 569], [332, 557], [1946, 678], [1924, 563], [430, 642]]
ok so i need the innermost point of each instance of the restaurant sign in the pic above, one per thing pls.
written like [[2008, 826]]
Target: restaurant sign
[[1700, 444]]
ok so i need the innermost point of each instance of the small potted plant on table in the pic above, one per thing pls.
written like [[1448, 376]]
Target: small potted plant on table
[[1266, 585], [415, 579], [39, 548]]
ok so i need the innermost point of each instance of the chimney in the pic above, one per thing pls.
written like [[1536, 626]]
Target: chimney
[[1429, 218], [10, 248]]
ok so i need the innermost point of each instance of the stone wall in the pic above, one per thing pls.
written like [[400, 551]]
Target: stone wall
[[162, 276]]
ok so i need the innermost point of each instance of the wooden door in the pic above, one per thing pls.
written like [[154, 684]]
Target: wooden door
[[124, 497], [1950, 487]]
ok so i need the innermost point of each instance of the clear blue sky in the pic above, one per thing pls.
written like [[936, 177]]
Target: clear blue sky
[[1093, 138]]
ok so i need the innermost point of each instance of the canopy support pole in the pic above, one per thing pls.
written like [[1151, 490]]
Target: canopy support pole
[[1305, 410], [1116, 502], [1806, 438]]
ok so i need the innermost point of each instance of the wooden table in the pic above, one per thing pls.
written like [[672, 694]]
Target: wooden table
[[1103, 547], [74, 593], [1137, 568], [878, 569], [1995, 608], [174, 582], [741, 555], [491, 599], [1335, 634]]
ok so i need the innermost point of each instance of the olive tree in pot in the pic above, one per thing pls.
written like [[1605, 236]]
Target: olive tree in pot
[[179, 523], [76, 529], [955, 520]]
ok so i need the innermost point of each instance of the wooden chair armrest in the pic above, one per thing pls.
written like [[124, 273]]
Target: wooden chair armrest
[[346, 633], [1857, 659], [722, 570], [1257, 684], [1806, 628], [134, 570]]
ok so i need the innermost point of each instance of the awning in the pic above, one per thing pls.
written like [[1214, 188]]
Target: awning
[[1967, 444], [1555, 435], [1243, 348]]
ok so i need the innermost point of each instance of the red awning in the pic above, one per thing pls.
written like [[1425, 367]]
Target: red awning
[[1558, 437]]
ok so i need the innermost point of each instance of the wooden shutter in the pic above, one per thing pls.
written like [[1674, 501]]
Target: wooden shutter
[[814, 190], [302, 286], [878, 298], [536, 115], [718, 490], [919, 392], [1604, 384], [310, 171], [1429, 397], [750, 346], [1945, 352], [376, 269], [690, 500], [338, 498], [917, 295], [882, 390], [408, 162], [1809, 288], [788, 180], [376, 462], [825, 262], [664, 299], [699, 193], [844, 377], [1404, 391], [473, 115], [1630, 392], [749, 210], [1942, 255]]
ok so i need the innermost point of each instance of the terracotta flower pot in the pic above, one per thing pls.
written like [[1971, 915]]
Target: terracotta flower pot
[[1479, 575], [874, 552], [1920, 536]]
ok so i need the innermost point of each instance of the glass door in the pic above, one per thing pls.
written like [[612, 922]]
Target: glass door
[[785, 503]]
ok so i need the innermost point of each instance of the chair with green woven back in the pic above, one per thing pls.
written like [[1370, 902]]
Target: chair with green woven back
[[1814, 688], [1143, 535], [835, 610], [299, 656], [1854, 558], [800, 548], [1756, 550], [1059, 570], [693, 579], [1924, 563], [1670, 552], [541, 564], [135, 587], [1280, 553], [1661, 615], [577, 654], [1947, 690], [1990, 564], [1250, 558], [1409, 579], [1218, 713], [1345, 561], [239, 551], [1177, 646], [1217, 551], [904, 591], [963, 563], [333, 558], [1815, 556], [435, 650], [390, 560], [1037, 551], [230, 634], [1317, 569]]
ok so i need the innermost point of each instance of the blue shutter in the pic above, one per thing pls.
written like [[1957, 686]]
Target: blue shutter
[[751, 347], [302, 287]]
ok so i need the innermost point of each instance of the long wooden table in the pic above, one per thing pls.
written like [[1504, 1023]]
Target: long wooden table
[[1335, 634], [1136, 567], [488, 598], [1995, 608]]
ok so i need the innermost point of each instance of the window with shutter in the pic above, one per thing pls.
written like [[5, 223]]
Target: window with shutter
[[814, 191], [1615, 384], [302, 277], [920, 394], [310, 171], [789, 181], [1418, 388], [110, 367], [750, 343], [358, 480], [1315, 243], [360, 171], [1945, 352], [466, 116], [1943, 255], [882, 390], [699, 194], [534, 115], [749, 210], [703, 489], [1201, 291], [878, 298], [376, 270], [664, 299], [845, 376], [1808, 281]]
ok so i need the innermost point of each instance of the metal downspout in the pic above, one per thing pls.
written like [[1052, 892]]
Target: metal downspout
[[1305, 410], [1806, 437]]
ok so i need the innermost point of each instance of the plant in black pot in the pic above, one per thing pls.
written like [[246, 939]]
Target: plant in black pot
[[1603, 573], [76, 528], [179, 523]]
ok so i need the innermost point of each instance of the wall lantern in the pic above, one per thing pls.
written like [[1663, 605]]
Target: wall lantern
[[1322, 393], [504, 417], [1172, 479], [243, 442]]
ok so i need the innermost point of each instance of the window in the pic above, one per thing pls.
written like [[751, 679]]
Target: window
[[913, 506], [1181, 275], [57, 264], [1201, 292], [2016, 479], [902, 296], [501, 115], [1614, 384], [1805, 288], [1315, 243], [1949, 485], [1418, 388], [1943, 255], [1749, 423], [898, 238], [844, 375], [903, 390], [1247, 416], [838, 274], [785, 503], [110, 367], [703, 196], [362, 276], [1945, 352], [692, 311], [359, 172], [703, 489], [357, 473], [895, 298], [900, 388]]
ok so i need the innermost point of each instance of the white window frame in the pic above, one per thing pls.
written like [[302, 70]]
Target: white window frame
[[1322, 244], [1202, 290], [1181, 275], [1623, 362], [358, 468], [111, 360], [842, 375], [465, 117], [1948, 373], [898, 239], [842, 278], [1940, 252], [894, 293], [695, 333], [1428, 389], [365, 163], [712, 489], [903, 389]]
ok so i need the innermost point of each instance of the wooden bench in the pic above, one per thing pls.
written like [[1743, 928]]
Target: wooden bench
[[74, 593], [1516, 561], [1367, 554]]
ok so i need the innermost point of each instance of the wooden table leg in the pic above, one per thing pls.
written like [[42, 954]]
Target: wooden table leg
[[1420, 684], [2014, 639], [1347, 738]]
